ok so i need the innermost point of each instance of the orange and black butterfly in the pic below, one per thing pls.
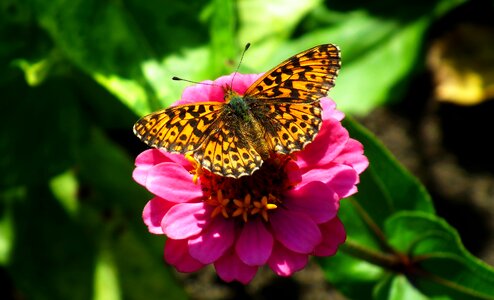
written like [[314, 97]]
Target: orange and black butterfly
[[280, 112]]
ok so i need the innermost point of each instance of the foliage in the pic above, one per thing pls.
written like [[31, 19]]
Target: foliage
[[77, 74]]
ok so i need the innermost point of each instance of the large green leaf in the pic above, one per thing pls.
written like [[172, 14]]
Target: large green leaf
[[440, 265], [268, 26], [45, 125], [52, 255], [111, 42], [397, 288]]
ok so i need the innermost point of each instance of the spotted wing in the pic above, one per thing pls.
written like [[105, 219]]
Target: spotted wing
[[226, 150], [208, 130], [285, 101], [305, 77], [290, 127], [179, 129]]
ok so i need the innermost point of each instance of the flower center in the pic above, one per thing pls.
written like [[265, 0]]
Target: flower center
[[251, 196]]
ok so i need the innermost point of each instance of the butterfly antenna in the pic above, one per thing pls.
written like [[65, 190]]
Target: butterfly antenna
[[191, 81], [240, 62]]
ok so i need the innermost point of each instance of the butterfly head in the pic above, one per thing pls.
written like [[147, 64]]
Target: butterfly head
[[229, 93]]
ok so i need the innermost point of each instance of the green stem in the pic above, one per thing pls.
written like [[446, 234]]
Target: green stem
[[387, 261], [373, 226]]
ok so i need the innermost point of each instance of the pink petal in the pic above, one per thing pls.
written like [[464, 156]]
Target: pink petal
[[330, 111], [333, 234], [163, 156], [295, 230], [178, 159], [254, 244], [173, 183], [144, 162], [185, 220], [151, 157], [229, 268], [340, 178], [177, 255], [353, 155], [285, 262], [328, 144], [153, 214], [204, 92], [344, 182], [242, 82], [212, 243], [293, 172], [238, 82], [314, 199], [215, 90]]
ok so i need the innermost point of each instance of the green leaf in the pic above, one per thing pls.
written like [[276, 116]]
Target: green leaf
[[106, 282], [355, 278], [159, 74], [269, 23], [397, 288], [7, 222], [46, 125], [113, 42], [441, 264], [222, 30], [268, 26], [364, 81], [65, 188], [52, 256]]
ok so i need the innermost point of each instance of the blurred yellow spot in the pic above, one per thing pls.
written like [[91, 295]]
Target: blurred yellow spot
[[461, 64]]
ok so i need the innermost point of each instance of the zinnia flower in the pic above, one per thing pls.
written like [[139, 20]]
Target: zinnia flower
[[278, 216]]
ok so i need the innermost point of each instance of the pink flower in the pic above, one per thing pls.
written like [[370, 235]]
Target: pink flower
[[278, 216]]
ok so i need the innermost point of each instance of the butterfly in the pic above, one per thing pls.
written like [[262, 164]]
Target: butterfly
[[279, 113]]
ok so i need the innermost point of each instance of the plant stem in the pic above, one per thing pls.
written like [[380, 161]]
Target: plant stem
[[387, 261]]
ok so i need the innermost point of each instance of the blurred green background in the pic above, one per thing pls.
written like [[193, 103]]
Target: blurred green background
[[75, 76]]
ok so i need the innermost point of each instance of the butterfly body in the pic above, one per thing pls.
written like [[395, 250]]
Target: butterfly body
[[248, 124], [239, 107], [279, 113]]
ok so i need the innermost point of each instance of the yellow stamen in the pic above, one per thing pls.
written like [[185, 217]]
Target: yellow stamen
[[271, 206], [243, 207], [263, 206], [220, 203], [197, 170]]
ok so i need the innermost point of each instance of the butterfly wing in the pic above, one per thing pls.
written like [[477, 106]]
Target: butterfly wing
[[179, 129], [290, 127], [285, 101], [305, 77], [208, 130], [226, 151]]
